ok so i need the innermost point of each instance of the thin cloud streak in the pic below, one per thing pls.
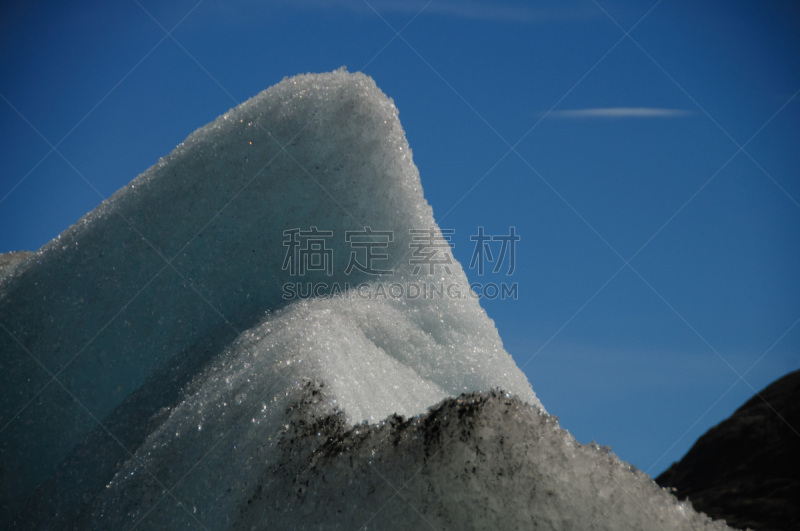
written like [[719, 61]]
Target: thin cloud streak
[[487, 11], [620, 112], [506, 13]]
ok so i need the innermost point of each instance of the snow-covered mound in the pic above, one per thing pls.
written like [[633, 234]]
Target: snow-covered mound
[[479, 461], [279, 270]]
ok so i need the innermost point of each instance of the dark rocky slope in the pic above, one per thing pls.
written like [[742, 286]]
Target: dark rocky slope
[[746, 470]]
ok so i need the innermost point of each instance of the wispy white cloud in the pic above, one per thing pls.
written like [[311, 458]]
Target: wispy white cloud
[[620, 112], [470, 9], [499, 11]]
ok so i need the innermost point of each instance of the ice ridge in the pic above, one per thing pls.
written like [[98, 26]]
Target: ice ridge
[[172, 294]]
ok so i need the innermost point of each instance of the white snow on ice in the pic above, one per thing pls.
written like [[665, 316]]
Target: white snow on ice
[[187, 263]]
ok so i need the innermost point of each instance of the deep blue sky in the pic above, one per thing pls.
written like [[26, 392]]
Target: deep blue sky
[[675, 148]]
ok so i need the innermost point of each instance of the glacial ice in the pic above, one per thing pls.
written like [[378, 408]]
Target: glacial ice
[[189, 391]]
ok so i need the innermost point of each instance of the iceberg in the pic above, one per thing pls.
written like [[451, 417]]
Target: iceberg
[[268, 329]]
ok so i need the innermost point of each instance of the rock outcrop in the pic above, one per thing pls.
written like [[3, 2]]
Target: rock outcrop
[[746, 470]]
